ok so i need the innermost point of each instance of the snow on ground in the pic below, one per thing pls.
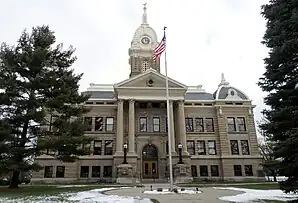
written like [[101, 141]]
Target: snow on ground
[[94, 196], [251, 195], [166, 191]]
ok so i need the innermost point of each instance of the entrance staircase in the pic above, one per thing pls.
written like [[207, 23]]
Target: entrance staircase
[[154, 180]]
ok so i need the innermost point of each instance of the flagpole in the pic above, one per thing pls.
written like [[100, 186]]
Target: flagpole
[[168, 116]]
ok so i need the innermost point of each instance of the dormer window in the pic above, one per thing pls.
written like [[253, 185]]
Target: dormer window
[[145, 66]]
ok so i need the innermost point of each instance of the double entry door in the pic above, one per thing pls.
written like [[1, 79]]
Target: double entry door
[[150, 169]]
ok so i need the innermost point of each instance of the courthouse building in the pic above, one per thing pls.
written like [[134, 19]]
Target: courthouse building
[[216, 129]]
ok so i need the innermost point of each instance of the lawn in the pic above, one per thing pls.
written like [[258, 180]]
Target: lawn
[[37, 190], [260, 186]]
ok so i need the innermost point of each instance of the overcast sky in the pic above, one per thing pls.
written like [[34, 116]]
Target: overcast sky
[[204, 37]]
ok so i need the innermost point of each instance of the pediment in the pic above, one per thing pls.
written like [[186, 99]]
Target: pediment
[[150, 79]]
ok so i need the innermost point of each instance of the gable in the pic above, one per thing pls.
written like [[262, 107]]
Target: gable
[[150, 79]]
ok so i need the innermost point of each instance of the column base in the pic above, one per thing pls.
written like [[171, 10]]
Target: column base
[[118, 154], [125, 174], [182, 173]]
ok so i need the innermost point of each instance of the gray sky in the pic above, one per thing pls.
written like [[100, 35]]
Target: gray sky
[[204, 37]]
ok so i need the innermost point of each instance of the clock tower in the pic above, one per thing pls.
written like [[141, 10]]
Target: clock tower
[[142, 48]]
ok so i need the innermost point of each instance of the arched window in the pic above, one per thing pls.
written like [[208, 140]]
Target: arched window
[[150, 152], [145, 66]]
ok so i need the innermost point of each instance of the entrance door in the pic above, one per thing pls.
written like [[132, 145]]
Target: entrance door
[[150, 169]]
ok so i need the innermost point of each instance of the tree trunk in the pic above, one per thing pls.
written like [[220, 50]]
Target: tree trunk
[[274, 178], [14, 183]]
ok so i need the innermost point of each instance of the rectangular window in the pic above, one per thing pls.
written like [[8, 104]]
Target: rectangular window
[[234, 147], [107, 171], [214, 170], [191, 147], [201, 147], [189, 124], [199, 124], [194, 172], [244, 147], [241, 124], [143, 124], [84, 172], [97, 147], [156, 124], [95, 171], [209, 125], [211, 147], [237, 170], [248, 170], [108, 147], [109, 124], [48, 171], [231, 124], [99, 124], [203, 171], [60, 171], [88, 123]]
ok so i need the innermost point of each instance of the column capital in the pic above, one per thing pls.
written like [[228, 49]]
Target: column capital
[[119, 101], [181, 102], [131, 101]]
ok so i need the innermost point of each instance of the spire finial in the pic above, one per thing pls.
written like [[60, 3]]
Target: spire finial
[[145, 14], [223, 80]]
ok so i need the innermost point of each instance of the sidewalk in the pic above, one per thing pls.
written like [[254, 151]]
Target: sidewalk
[[209, 195]]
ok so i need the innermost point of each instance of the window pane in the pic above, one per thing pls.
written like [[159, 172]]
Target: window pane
[[107, 171], [189, 124], [209, 125], [234, 147], [143, 124], [231, 125], [97, 147], [191, 147], [214, 170], [201, 147], [109, 124], [203, 171], [248, 170], [156, 124], [108, 147], [237, 170], [211, 147], [199, 124], [241, 124], [96, 171], [244, 147], [99, 124], [84, 171]]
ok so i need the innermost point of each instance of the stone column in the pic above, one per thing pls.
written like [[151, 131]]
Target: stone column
[[119, 140], [181, 120], [131, 129], [172, 128]]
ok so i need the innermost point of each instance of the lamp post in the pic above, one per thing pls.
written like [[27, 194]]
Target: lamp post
[[125, 152], [180, 153]]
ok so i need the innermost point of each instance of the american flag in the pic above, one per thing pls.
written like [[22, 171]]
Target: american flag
[[159, 49]]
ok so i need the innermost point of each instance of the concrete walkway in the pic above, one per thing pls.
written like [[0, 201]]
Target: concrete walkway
[[209, 194]]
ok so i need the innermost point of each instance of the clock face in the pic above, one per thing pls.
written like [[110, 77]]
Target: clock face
[[145, 40]]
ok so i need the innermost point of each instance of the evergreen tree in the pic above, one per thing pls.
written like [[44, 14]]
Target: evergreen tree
[[36, 80], [279, 81]]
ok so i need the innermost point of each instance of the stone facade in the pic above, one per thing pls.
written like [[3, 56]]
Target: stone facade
[[216, 131]]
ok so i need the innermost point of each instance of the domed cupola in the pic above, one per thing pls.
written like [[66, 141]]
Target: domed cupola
[[142, 47], [227, 92]]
